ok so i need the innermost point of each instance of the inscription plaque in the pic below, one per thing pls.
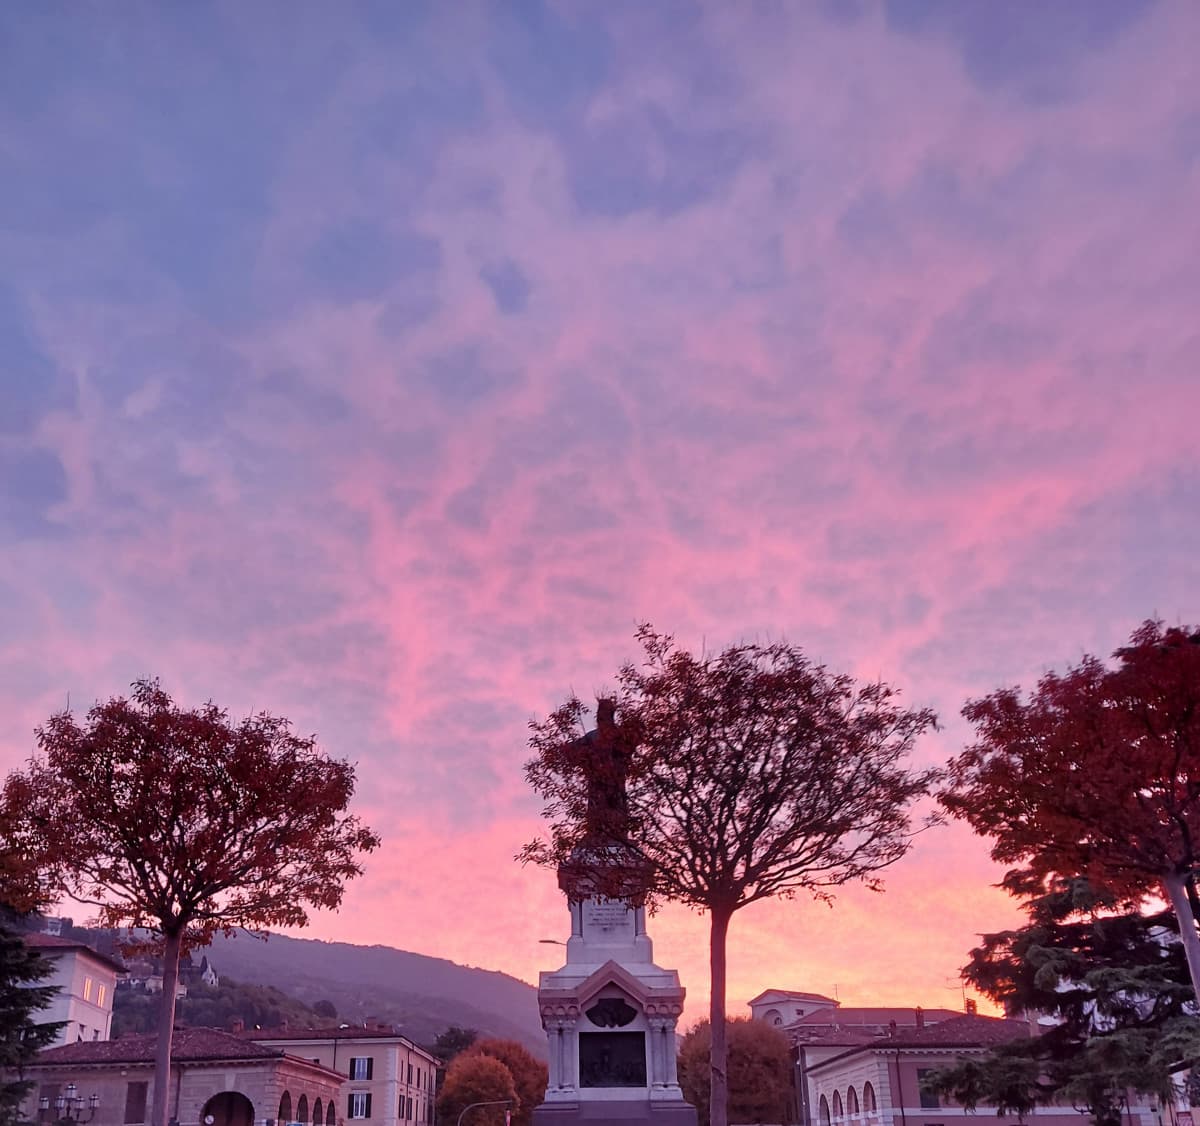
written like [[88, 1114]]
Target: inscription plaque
[[607, 918], [612, 1059]]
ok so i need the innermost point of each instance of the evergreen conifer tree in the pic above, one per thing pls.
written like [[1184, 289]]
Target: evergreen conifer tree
[[1114, 984], [22, 1036]]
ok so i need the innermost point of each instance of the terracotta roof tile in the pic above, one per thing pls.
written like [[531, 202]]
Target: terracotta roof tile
[[349, 1033], [51, 942], [190, 1045], [883, 1016], [969, 1031]]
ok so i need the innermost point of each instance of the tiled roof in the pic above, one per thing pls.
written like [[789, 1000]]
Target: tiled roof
[[963, 1031], [788, 993], [51, 942], [190, 1045], [861, 1017], [337, 1033], [969, 1031]]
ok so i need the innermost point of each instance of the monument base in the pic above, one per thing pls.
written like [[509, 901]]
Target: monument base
[[616, 1112]]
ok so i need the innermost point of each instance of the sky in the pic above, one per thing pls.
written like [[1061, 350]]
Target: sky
[[384, 365]]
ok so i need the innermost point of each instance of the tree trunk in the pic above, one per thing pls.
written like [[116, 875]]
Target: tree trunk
[[718, 1101], [160, 1114], [1181, 905]]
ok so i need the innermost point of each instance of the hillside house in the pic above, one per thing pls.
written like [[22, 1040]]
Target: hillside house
[[86, 981]]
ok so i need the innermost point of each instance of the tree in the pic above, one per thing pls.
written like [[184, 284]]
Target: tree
[[757, 774], [326, 1009], [1116, 983], [760, 1071], [476, 1078], [1096, 774], [186, 823], [529, 1075], [21, 1036], [453, 1041]]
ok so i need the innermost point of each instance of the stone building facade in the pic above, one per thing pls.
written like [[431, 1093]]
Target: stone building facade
[[217, 1079]]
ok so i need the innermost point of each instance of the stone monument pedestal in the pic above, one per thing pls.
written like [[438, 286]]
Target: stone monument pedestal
[[610, 1015]]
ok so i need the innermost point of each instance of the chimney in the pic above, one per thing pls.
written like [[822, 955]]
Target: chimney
[[920, 1015], [237, 1025]]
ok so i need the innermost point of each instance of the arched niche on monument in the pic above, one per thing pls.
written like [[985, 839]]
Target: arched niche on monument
[[612, 1040]]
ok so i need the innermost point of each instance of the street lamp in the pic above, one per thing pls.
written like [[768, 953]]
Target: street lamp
[[488, 1102], [68, 1106]]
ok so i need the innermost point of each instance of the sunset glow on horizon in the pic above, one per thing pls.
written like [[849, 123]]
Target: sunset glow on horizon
[[383, 366]]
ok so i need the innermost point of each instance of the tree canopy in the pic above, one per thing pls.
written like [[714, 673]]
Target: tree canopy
[[754, 773], [1096, 774], [1113, 983], [759, 1068], [529, 1075], [474, 1077], [184, 822]]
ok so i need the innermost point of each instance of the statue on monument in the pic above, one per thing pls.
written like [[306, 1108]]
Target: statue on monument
[[603, 755], [606, 861]]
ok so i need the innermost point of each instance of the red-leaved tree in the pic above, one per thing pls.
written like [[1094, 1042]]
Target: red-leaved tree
[[1096, 774], [186, 823], [750, 773]]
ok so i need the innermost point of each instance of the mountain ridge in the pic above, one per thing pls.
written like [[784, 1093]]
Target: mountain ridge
[[422, 994]]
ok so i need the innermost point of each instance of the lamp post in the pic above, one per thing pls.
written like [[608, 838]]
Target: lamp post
[[68, 1106], [488, 1102]]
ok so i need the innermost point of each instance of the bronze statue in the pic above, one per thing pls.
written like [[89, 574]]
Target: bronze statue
[[603, 757]]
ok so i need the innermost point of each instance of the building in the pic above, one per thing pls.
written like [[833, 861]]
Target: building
[[217, 1079], [389, 1080], [781, 1007], [863, 1066], [877, 1081], [86, 980]]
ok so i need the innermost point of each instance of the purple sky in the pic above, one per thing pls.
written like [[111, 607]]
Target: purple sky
[[383, 365]]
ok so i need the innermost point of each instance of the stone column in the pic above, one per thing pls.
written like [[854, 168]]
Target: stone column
[[570, 1053], [554, 1028], [658, 1050], [672, 1073]]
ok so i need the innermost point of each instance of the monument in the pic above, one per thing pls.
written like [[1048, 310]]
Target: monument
[[609, 1012]]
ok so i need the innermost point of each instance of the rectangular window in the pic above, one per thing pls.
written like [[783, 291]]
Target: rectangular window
[[410, 1072], [101, 993], [135, 1102], [929, 1100], [359, 1105], [362, 1067], [88, 986], [418, 1077], [408, 1115]]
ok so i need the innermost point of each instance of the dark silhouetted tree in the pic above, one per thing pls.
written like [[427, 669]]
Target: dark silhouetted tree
[[452, 1041], [326, 1009], [22, 1036], [757, 774], [1117, 987], [759, 1068], [1097, 775], [186, 823]]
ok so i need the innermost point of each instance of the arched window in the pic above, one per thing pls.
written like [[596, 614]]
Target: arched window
[[824, 1111], [285, 1107], [330, 1114], [837, 1104], [318, 1117], [302, 1109], [851, 1101], [868, 1099], [773, 1016]]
